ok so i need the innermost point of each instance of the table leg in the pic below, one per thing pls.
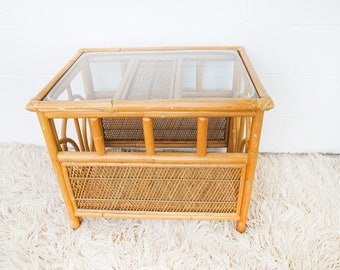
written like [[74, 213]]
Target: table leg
[[53, 148], [253, 149]]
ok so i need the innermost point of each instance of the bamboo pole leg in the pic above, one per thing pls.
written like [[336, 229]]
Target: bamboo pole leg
[[253, 149], [52, 147]]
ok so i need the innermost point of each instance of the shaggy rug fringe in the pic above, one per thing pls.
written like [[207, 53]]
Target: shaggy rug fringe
[[293, 222]]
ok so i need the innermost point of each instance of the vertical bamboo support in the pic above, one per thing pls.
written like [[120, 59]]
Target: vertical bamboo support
[[227, 131], [52, 146], [253, 148], [80, 138], [234, 128], [230, 142], [87, 81], [236, 80], [84, 133], [248, 130], [179, 79], [55, 134], [69, 92], [64, 133], [202, 136], [97, 135], [199, 75], [148, 136], [240, 132], [173, 80]]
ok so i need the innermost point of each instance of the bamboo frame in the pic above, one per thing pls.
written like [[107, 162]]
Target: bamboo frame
[[202, 136], [253, 149], [98, 136], [49, 134], [242, 137], [152, 215], [88, 158], [148, 136]]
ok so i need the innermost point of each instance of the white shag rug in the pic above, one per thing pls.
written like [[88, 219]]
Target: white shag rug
[[293, 222]]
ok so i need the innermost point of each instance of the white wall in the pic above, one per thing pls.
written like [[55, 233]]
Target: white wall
[[294, 46]]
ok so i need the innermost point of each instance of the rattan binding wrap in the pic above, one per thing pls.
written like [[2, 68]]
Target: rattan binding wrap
[[166, 188]]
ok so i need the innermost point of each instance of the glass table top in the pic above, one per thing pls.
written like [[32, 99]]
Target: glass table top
[[155, 75]]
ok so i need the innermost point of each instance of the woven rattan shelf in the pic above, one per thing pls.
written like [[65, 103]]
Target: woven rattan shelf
[[167, 133]]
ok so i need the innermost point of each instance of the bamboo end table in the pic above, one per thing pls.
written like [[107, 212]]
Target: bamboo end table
[[161, 133]]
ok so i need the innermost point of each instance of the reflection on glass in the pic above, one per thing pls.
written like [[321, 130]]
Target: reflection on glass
[[156, 75]]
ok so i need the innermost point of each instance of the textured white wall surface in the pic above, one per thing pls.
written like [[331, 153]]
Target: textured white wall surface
[[294, 47]]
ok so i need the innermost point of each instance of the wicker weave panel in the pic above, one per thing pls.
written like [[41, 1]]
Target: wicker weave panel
[[164, 189], [151, 80], [165, 129]]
